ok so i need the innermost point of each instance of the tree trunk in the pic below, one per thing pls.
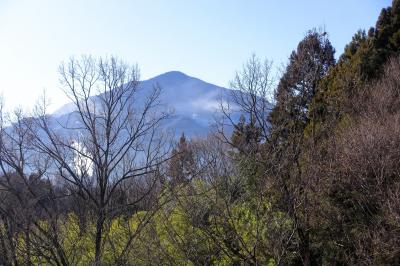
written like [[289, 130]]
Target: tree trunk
[[305, 252], [27, 246], [99, 237]]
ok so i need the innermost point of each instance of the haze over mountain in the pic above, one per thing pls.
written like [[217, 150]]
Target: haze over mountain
[[193, 103]]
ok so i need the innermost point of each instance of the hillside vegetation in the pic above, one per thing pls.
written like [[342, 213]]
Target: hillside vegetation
[[313, 179]]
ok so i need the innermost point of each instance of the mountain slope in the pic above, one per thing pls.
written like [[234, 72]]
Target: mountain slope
[[194, 104]]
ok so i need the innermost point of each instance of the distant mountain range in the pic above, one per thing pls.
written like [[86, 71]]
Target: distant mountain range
[[194, 103]]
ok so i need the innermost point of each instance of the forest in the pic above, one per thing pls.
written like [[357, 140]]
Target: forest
[[309, 176]]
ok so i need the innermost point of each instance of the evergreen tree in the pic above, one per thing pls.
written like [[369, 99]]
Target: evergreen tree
[[182, 164], [361, 62], [308, 65], [298, 85]]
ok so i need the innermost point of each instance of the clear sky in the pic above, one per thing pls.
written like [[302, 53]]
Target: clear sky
[[208, 39]]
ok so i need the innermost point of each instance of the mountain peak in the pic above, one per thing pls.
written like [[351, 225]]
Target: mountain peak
[[174, 73], [172, 76]]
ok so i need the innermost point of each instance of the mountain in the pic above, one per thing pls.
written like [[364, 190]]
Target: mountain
[[194, 103]]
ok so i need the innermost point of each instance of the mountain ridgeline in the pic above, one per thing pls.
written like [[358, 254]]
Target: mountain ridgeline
[[193, 105]]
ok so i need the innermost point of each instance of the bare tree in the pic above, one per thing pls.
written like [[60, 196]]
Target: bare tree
[[30, 208], [252, 93], [113, 143]]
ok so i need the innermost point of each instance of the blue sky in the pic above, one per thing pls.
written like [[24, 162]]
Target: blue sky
[[208, 39]]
